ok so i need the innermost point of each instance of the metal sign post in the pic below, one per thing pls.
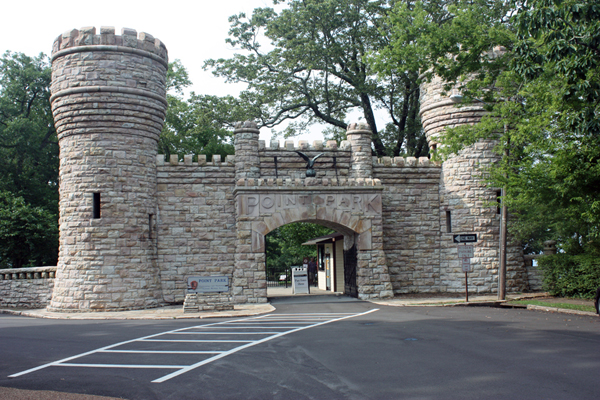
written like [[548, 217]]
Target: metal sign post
[[466, 266], [465, 253]]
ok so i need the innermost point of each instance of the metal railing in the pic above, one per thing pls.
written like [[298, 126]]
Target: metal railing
[[279, 278]]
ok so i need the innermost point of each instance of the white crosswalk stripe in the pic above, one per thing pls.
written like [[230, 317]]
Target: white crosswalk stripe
[[214, 341]]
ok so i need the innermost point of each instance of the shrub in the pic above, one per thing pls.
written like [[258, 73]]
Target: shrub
[[571, 275]]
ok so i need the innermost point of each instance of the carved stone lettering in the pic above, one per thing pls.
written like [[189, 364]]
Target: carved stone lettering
[[344, 201], [356, 202], [305, 199], [268, 202], [289, 200], [373, 204], [251, 205]]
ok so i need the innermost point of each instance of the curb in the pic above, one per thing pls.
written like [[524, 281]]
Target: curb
[[561, 310], [267, 308]]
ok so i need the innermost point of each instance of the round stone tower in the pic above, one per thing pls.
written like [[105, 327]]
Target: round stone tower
[[109, 103], [467, 203]]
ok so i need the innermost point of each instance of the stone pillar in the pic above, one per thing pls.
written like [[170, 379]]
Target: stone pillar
[[549, 247], [109, 103], [247, 162], [467, 203], [361, 165]]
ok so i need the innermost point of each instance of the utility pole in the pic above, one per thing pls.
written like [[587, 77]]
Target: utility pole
[[503, 232]]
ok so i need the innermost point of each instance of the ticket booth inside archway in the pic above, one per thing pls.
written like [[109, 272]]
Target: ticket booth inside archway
[[330, 262]]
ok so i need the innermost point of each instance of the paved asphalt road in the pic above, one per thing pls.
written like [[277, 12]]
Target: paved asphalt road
[[317, 348]]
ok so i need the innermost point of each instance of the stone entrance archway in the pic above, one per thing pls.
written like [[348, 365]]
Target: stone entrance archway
[[262, 206]]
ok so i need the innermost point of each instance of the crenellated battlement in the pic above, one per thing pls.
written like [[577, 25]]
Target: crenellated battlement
[[308, 182], [86, 39], [405, 162], [216, 160], [316, 145]]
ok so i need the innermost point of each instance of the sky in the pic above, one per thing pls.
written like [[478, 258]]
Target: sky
[[193, 31]]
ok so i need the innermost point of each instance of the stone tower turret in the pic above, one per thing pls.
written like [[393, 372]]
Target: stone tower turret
[[467, 203], [359, 135], [109, 103], [247, 162]]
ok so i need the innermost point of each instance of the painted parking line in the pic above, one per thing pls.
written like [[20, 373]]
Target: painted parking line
[[215, 336]]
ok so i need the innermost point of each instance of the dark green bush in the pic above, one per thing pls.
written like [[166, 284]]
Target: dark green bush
[[571, 275]]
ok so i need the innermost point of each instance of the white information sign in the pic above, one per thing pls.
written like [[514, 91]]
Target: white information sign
[[300, 281], [466, 264], [465, 251], [207, 284]]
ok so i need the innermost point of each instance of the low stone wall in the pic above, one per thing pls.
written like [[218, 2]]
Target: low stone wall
[[26, 287], [207, 302]]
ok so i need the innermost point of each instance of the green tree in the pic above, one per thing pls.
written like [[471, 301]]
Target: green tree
[[284, 245], [316, 70], [558, 57], [542, 94], [199, 124], [28, 163], [28, 142], [29, 234]]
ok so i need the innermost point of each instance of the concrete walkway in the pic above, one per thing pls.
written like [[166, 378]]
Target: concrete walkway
[[280, 291]]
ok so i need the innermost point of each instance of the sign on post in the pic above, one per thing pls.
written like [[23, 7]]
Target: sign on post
[[465, 251], [466, 264], [468, 238]]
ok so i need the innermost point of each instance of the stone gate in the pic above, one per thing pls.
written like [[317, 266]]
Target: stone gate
[[134, 226]]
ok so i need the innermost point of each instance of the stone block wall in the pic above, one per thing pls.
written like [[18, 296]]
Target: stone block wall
[[411, 232], [196, 221], [26, 287]]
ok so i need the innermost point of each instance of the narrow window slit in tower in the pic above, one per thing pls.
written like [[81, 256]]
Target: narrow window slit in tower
[[96, 205], [150, 217], [275, 159], [448, 221]]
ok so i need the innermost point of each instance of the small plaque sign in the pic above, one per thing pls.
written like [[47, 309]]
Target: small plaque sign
[[466, 264], [207, 284]]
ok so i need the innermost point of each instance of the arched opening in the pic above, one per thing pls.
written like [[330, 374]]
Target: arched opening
[[326, 250], [355, 213], [285, 249]]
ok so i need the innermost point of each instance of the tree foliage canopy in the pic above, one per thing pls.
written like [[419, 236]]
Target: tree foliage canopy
[[28, 163], [284, 245], [29, 234], [534, 66], [314, 68], [200, 124], [28, 143]]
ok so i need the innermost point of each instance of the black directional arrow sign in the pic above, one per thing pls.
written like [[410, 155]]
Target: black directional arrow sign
[[470, 238]]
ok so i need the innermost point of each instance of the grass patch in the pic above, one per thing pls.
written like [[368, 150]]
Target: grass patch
[[579, 307]]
